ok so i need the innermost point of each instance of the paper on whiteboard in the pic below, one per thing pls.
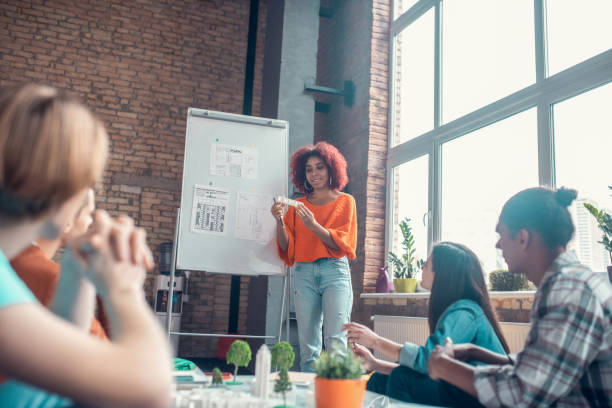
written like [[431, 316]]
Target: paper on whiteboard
[[235, 161], [253, 218], [209, 210]]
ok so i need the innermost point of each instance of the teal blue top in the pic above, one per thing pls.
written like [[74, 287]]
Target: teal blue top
[[464, 322], [15, 394]]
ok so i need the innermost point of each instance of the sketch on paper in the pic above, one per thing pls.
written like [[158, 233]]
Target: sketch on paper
[[253, 219], [209, 212], [234, 161]]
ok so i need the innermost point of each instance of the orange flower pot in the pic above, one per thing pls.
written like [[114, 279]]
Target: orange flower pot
[[339, 393]]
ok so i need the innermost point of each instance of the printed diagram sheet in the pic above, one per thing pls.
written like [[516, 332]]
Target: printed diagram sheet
[[209, 212], [253, 220], [234, 161]]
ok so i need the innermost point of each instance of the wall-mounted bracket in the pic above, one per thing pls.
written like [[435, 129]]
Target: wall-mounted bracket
[[348, 92]]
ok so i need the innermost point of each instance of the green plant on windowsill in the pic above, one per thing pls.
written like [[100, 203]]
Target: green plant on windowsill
[[604, 221], [405, 266], [503, 281]]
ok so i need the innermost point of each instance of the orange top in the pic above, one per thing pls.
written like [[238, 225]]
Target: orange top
[[41, 275], [338, 217]]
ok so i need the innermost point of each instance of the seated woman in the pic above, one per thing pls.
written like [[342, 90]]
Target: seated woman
[[52, 150], [459, 308]]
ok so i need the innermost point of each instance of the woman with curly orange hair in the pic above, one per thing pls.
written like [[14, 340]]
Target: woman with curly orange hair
[[316, 237]]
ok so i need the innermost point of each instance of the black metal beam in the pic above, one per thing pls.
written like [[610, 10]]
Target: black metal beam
[[348, 92], [247, 107]]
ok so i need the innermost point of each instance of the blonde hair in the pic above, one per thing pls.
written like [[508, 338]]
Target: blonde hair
[[51, 147]]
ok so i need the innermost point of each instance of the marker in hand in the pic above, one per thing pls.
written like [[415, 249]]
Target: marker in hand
[[281, 218]]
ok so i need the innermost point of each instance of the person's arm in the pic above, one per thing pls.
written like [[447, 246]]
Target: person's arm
[[443, 366], [473, 352], [370, 363], [74, 295], [311, 223], [47, 352], [282, 237], [360, 334], [458, 322]]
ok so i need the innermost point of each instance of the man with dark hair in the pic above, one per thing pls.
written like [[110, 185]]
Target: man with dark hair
[[567, 358]]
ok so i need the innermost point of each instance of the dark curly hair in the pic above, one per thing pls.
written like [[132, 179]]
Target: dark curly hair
[[333, 159]]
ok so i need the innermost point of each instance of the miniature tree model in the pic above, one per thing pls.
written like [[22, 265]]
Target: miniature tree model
[[217, 377], [283, 356], [239, 355]]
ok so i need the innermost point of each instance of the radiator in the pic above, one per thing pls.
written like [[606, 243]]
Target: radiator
[[416, 330]]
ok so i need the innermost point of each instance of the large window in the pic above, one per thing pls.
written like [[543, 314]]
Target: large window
[[492, 96]]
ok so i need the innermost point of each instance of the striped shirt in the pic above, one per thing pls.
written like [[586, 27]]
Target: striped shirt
[[567, 359]]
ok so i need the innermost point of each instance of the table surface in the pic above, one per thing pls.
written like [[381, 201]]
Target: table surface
[[302, 394]]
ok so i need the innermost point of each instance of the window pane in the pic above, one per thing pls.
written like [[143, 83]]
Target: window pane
[[480, 171], [487, 52], [583, 142], [399, 6], [410, 184], [414, 79], [577, 31]]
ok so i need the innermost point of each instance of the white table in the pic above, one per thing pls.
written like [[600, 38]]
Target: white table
[[302, 394]]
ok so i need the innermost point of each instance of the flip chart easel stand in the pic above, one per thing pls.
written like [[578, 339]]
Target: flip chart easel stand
[[283, 311]]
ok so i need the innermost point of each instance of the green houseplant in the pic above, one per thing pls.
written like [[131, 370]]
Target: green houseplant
[[338, 383], [239, 354], [503, 281], [282, 357], [604, 221], [405, 266]]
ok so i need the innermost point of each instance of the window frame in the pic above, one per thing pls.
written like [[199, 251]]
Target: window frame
[[543, 94]]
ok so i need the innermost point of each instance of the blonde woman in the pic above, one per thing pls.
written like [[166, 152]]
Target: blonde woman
[[52, 150]]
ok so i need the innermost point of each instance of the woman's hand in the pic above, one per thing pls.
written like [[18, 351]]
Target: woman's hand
[[306, 216], [358, 333], [113, 253], [434, 362], [278, 210], [368, 361]]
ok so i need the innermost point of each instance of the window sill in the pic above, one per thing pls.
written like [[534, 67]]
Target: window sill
[[527, 294]]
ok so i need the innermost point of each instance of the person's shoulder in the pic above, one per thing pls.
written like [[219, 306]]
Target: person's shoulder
[[465, 305], [577, 286], [346, 198]]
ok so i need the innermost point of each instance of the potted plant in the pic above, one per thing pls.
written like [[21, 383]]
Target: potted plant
[[338, 383], [503, 281], [239, 354], [405, 266], [604, 221], [282, 357]]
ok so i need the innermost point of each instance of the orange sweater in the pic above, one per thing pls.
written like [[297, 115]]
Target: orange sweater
[[41, 275], [338, 217]]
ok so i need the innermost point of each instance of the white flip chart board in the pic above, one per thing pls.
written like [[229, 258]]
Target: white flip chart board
[[234, 165]]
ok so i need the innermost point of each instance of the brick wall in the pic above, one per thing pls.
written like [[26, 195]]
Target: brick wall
[[514, 307], [353, 45], [139, 65]]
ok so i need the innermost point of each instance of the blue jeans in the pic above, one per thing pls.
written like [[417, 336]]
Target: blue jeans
[[323, 297]]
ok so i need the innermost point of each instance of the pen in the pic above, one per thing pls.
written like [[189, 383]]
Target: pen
[[281, 218]]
